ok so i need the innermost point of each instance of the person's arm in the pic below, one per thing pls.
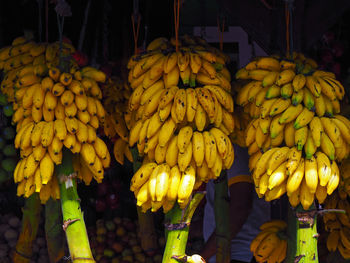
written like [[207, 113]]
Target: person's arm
[[241, 201]]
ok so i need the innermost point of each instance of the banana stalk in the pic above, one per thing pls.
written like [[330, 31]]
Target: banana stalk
[[53, 230], [149, 241], [30, 223], [177, 229], [222, 219], [73, 220], [302, 236]]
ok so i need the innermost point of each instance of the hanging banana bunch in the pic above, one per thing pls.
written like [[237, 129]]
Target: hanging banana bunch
[[180, 117], [296, 135], [116, 94], [268, 245], [338, 225], [53, 110]]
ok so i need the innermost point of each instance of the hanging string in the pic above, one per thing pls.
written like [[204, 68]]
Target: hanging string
[[135, 31], [221, 32], [289, 27], [177, 22]]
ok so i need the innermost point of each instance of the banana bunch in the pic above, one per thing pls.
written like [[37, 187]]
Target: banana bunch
[[338, 225], [24, 56], [53, 111], [282, 170], [268, 245], [160, 186], [295, 119], [179, 115], [197, 156], [116, 94], [195, 62]]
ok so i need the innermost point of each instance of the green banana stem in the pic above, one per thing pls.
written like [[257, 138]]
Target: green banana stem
[[222, 219], [177, 229], [30, 223], [149, 241], [73, 220], [53, 230], [302, 235]]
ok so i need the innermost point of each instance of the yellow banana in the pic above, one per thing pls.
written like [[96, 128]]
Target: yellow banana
[[275, 127], [313, 85], [295, 178], [174, 182], [327, 146], [162, 181], [304, 118], [300, 137], [191, 104], [184, 159], [184, 138], [186, 184], [332, 131], [298, 82], [46, 168], [142, 175], [334, 179], [323, 168], [277, 158], [198, 148], [311, 174], [172, 153], [270, 78], [47, 133]]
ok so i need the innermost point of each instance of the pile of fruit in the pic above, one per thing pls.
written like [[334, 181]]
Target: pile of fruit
[[8, 153], [10, 227], [53, 110], [338, 224], [296, 134], [270, 245], [115, 99], [181, 116], [117, 240]]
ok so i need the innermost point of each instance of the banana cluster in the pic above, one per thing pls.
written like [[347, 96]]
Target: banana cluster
[[185, 161], [338, 225], [159, 185], [284, 170], [180, 113], [268, 245], [294, 120], [116, 94], [52, 110], [56, 111], [25, 56]]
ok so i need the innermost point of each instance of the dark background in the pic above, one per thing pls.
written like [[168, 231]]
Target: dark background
[[109, 29]]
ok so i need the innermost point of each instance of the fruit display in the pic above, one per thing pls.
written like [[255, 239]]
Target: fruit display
[[8, 153], [53, 110], [118, 240], [296, 136], [10, 227], [115, 99], [180, 118], [270, 245]]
